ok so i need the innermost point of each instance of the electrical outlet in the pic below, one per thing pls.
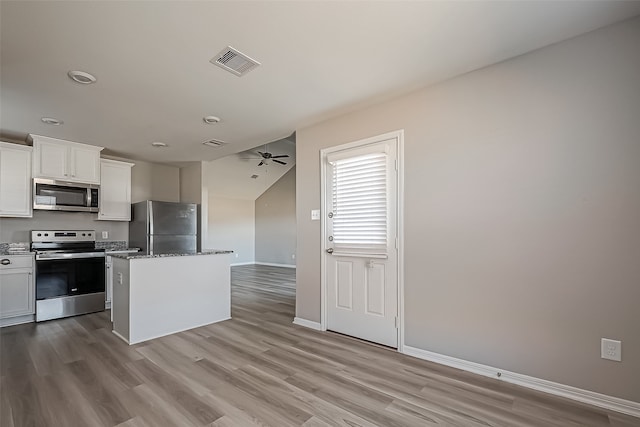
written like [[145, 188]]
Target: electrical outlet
[[611, 349], [315, 215]]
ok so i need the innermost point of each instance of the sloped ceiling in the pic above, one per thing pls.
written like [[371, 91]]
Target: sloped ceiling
[[231, 176]]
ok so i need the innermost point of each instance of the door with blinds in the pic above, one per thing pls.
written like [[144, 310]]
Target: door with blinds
[[361, 265]]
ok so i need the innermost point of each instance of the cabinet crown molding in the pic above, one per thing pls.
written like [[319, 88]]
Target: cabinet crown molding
[[16, 146], [32, 137]]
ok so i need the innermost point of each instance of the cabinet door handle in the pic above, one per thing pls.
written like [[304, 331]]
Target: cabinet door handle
[[5, 261]]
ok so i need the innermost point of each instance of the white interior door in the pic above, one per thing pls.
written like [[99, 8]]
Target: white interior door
[[361, 256]]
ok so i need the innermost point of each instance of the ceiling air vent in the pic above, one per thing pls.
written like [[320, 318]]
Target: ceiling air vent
[[214, 143], [234, 61]]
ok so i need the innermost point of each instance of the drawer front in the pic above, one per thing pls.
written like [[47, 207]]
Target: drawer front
[[15, 261]]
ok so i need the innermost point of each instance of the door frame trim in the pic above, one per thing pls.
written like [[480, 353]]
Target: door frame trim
[[398, 135]]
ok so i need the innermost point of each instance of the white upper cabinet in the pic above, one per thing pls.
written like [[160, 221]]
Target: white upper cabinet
[[115, 190], [65, 160], [15, 180]]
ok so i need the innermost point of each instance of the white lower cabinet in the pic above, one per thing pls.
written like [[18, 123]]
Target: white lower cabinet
[[17, 292]]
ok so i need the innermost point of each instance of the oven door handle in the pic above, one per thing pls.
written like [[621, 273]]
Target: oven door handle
[[70, 256]]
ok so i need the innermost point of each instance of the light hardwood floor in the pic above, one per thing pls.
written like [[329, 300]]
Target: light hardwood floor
[[254, 370]]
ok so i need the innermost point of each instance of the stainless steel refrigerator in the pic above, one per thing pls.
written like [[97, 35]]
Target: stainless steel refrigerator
[[164, 227]]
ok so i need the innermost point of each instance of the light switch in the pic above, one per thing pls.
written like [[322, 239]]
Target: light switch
[[315, 215], [105, 234]]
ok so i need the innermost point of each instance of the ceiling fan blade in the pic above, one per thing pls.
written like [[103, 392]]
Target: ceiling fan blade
[[261, 163], [261, 153], [281, 155], [278, 161]]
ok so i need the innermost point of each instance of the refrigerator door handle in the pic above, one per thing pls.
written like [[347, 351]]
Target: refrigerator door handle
[[150, 217]]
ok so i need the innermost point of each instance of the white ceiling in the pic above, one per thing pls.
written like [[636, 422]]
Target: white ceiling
[[319, 59]]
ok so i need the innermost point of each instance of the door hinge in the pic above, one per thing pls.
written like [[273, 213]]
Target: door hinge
[[396, 162], [396, 321], [396, 243]]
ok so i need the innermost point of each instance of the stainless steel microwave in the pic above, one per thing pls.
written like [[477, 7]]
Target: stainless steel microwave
[[65, 196]]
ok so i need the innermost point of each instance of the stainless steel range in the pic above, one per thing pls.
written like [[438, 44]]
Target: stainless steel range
[[70, 273]]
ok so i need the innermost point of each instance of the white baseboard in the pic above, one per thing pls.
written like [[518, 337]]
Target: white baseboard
[[271, 264], [17, 320], [307, 323], [121, 337], [585, 396], [242, 263]]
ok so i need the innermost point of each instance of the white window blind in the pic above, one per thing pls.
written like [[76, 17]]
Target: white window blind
[[359, 223]]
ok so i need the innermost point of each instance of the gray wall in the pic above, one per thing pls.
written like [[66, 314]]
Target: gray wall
[[191, 183], [275, 220], [522, 211], [153, 181], [231, 226]]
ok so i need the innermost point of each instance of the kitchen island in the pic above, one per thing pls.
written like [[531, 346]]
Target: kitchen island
[[158, 295]]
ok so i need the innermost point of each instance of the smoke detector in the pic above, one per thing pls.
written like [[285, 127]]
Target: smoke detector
[[234, 61]]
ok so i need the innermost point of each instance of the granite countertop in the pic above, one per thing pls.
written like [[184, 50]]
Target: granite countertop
[[5, 252], [141, 256], [115, 247], [20, 248], [122, 251]]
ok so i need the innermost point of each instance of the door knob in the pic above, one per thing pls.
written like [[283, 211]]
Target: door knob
[[330, 250]]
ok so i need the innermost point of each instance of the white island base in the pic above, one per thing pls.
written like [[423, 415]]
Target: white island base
[[162, 295]]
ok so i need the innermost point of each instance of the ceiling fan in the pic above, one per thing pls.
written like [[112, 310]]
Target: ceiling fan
[[265, 156]]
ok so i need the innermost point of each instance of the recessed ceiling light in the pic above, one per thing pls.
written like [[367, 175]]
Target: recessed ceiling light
[[51, 121], [81, 77], [211, 120], [158, 144], [214, 143]]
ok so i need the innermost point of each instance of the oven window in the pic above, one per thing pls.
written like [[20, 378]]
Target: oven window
[[63, 196], [56, 278]]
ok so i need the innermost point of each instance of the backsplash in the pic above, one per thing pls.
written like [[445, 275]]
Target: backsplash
[[19, 229]]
